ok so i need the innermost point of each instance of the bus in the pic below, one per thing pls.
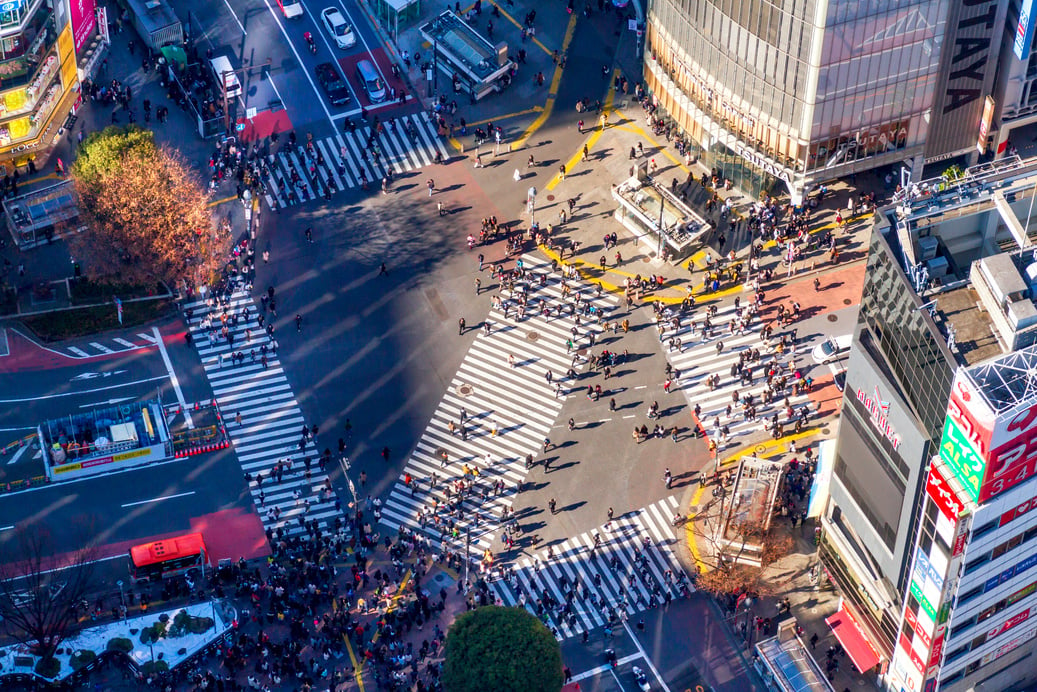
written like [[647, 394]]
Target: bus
[[166, 558]]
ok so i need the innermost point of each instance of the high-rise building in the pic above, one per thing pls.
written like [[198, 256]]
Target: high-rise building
[[940, 299], [801, 91], [973, 587], [39, 70]]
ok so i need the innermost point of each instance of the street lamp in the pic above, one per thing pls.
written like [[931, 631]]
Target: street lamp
[[122, 599]]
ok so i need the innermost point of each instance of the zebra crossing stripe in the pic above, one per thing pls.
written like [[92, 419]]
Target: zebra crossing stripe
[[400, 151], [270, 422], [699, 360], [518, 401], [640, 573]]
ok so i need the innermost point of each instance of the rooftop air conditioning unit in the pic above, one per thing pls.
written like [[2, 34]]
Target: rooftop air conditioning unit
[[153, 4]]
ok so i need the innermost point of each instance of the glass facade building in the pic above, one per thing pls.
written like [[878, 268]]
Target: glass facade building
[[796, 91], [39, 76], [898, 380]]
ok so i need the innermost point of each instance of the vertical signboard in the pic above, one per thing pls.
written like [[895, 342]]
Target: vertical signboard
[[984, 124], [1013, 454], [84, 20], [1024, 31]]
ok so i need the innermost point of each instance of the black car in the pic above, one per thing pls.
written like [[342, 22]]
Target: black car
[[332, 84]]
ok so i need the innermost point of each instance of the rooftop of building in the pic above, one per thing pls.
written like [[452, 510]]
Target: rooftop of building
[[790, 663], [1008, 381], [966, 243]]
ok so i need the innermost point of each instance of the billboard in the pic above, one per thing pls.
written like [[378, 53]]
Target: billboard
[[988, 453], [1024, 31], [84, 20]]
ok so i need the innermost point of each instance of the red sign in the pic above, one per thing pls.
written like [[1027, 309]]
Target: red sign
[[84, 21], [942, 494], [1009, 623], [937, 651], [960, 541], [912, 620], [1018, 511]]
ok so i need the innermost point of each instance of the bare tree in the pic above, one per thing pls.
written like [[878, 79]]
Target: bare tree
[[40, 592], [725, 574]]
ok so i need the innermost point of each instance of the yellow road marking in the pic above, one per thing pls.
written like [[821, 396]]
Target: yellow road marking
[[394, 601], [218, 202], [552, 92], [515, 22], [750, 450], [592, 140], [357, 673]]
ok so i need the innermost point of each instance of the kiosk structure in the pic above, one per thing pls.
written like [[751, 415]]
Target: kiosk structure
[[473, 64], [105, 439], [653, 213]]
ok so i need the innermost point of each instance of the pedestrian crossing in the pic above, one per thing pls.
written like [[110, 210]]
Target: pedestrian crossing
[[344, 159], [271, 421], [696, 356], [575, 586], [510, 406]]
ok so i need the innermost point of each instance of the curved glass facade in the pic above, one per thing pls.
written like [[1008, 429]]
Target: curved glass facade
[[821, 89]]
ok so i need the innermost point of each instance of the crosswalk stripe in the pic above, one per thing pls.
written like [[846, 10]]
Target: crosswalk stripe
[[698, 359], [401, 151], [271, 423], [619, 588], [518, 400]]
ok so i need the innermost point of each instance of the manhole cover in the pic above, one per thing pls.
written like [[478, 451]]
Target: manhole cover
[[532, 335], [760, 449], [550, 198], [465, 390], [826, 431], [847, 301], [582, 353], [833, 318]]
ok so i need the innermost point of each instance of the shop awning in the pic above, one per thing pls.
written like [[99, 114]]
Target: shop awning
[[853, 640]]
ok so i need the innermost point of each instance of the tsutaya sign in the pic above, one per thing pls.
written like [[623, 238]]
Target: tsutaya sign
[[763, 163], [879, 411]]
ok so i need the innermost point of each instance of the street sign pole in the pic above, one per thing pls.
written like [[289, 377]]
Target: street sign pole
[[531, 201]]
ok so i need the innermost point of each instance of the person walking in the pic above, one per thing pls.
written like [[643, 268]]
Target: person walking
[[431, 184], [552, 505], [460, 326], [586, 152], [572, 424], [298, 322], [561, 171], [668, 479]]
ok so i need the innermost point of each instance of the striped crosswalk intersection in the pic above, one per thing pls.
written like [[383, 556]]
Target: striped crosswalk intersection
[[344, 159], [697, 354], [510, 406], [577, 585], [271, 422]]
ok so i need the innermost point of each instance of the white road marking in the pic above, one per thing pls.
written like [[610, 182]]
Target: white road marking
[[648, 661], [123, 342], [101, 347], [157, 499], [85, 391], [240, 25], [17, 455], [172, 378], [79, 352]]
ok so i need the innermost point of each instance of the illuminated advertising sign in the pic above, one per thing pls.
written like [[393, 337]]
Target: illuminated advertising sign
[[1009, 646], [963, 459], [916, 591], [1024, 31], [984, 124], [84, 20], [1013, 455], [1014, 621], [945, 498]]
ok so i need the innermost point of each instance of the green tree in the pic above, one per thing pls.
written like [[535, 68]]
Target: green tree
[[501, 649], [145, 212]]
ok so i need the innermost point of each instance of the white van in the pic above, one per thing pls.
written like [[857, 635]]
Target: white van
[[223, 73]]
